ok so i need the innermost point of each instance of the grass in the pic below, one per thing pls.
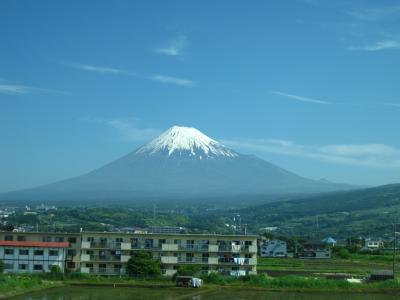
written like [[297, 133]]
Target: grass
[[357, 264], [299, 283], [12, 285]]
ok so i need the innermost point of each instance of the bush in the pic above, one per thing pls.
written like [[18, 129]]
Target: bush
[[55, 269], [343, 253]]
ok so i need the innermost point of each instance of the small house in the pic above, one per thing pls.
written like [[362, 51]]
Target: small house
[[316, 250]]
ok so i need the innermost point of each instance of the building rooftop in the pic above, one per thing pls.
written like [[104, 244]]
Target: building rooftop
[[34, 244]]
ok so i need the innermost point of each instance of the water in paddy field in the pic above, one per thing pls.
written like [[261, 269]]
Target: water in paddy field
[[97, 293]]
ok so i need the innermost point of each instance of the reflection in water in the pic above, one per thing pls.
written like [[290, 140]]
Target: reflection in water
[[99, 293]]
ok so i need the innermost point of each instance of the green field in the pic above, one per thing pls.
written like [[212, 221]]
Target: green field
[[358, 264]]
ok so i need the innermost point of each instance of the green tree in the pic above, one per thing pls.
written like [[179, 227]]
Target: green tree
[[342, 252], [142, 264], [1, 266]]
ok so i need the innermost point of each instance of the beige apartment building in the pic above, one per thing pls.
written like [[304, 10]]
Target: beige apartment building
[[106, 253], [72, 241]]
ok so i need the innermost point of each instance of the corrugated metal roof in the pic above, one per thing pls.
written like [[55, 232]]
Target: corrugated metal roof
[[34, 244]]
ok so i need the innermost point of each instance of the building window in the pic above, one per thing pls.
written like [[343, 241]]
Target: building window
[[46, 239], [90, 252], [71, 252], [53, 252], [90, 239], [38, 267], [102, 268], [248, 243], [9, 251], [23, 252], [71, 265], [72, 239], [38, 252], [23, 266], [21, 238], [8, 238], [149, 243], [8, 266], [119, 240], [59, 239], [89, 265]]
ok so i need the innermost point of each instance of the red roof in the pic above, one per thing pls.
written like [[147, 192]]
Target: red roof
[[34, 244]]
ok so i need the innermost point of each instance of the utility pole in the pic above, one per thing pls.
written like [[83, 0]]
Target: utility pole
[[394, 250]]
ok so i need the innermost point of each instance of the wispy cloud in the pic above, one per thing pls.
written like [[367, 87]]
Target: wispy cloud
[[365, 155], [393, 104], [126, 128], [16, 89], [92, 68], [109, 70], [173, 80], [374, 14], [13, 89], [175, 46], [378, 46], [300, 98]]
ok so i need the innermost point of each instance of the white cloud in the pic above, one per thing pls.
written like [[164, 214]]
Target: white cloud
[[126, 128], [378, 46], [300, 98], [153, 77], [16, 89], [393, 104], [173, 80], [175, 46], [93, 68], [365, 155], [13, 89], [374, 14]]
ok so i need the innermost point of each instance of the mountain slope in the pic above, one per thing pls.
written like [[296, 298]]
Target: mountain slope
[[351, 213], [181, 162]]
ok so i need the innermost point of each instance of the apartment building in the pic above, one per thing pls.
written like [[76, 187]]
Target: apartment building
[[23, 257], [107, 253], [72, 245]]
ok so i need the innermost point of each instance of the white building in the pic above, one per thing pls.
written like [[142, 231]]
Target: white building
[[274, 248], [28, 257], [373, 244]]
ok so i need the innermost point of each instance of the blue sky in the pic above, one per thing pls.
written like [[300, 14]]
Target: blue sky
[[312, 86]]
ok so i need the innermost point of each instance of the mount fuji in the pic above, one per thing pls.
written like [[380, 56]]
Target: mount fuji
[[181, 162]]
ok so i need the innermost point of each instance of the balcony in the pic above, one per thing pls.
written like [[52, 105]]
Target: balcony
[[193, 260], [125, 258], [237, 248], [169, 259], [194, 247], [85, 257], [86, 245], [237, 261], [250, 248], [105, 258], [213, 260], [169, 247], [126, 246]]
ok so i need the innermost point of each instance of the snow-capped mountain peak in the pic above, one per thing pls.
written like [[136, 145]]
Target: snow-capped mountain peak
[[180, 139]]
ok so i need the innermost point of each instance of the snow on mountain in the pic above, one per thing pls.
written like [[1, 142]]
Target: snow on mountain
[[179, 140], [181, 162]]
